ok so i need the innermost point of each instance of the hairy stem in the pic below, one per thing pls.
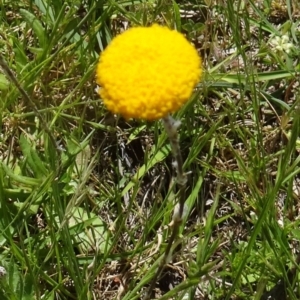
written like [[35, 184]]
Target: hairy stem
[[171, 125]]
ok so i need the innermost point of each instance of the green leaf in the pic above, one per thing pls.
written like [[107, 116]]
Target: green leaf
[[45, 8], [19, 178], [37, 51], [11, 283], [177, 16], [36, 25], [4, 84], [265, 76], [33, 209], [74, 147], [296, 233], [21, 58], [134, 134], [88, 230], [32, 158]]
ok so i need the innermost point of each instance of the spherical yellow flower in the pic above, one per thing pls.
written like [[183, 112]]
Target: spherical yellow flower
[[148, 72]]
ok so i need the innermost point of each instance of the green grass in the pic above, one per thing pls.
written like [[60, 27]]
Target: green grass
[[86, 197]]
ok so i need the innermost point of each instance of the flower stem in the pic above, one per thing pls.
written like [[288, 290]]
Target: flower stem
[[171, 125]]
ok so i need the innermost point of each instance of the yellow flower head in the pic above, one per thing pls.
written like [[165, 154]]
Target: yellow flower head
[[148, 72]]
